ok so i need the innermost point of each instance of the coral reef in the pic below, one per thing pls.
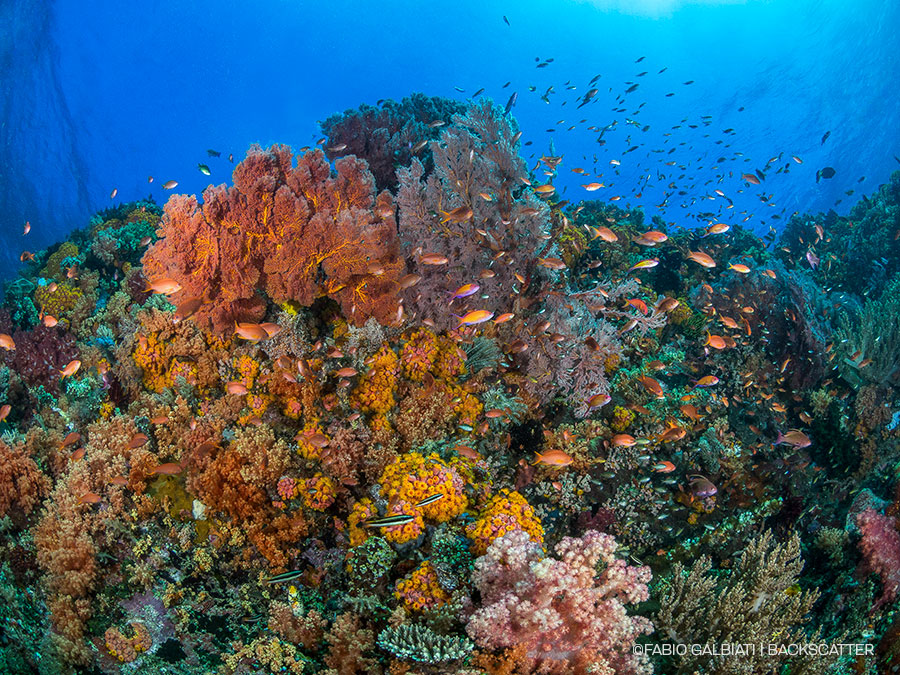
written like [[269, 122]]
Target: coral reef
[[395, 406]]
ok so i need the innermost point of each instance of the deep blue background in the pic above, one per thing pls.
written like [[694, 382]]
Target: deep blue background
[[100, 95]]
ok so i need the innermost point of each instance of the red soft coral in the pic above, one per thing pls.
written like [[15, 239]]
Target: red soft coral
[[294, 233]]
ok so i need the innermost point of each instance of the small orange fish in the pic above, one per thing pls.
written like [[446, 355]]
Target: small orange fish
[[690, 411], [26, 255], [236, 388], [714, 341], [167, 469], [552, 263], [638, 304], [503, 318], [668, 304], [250, 331], [90, 498], [663, 467], [654, 236], [623, 440], [606, 235], [77, 455], [346, 372], [598, 400], [187, 308], [70, 439], [475, 317], [118, 480], [672, 434], [409, 281], [4, 411], [458, 215], [750, 178], [494, 413], [468, 452], [434, 259], [137, 441], [702, 259], [652, 386], [164, 286], [70, 369], [159, 419], [27, 228], [591, 187], [7, 342], [739, 268], [315, 439], [717, 228], [49, 321], [552, 458], [707, 381]]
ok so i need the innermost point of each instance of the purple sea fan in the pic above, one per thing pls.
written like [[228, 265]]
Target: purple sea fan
[[477, 167], [40, 355]]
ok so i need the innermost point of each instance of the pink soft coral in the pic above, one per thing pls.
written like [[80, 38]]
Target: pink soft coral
[[569, 613], [880, 544]]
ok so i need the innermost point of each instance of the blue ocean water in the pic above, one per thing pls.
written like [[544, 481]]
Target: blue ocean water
[[98, 96]]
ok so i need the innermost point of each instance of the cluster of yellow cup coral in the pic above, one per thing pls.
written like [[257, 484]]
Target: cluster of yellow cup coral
[[421, 589], [375, 391], [318, 492], [424, 351], [58, 302], [413, 478], [159, 373], [425, 488], [126, 649], [506, 511]]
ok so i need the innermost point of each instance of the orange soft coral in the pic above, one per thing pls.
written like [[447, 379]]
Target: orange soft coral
[[22, 484]]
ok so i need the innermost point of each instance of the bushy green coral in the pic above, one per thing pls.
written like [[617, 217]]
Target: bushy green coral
[[369, 564], [451, 558], [873, 339], [752, 604], [421, 644], [57, 262]]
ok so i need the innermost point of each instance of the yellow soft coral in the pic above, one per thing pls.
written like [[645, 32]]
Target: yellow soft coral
[[505, 512]]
